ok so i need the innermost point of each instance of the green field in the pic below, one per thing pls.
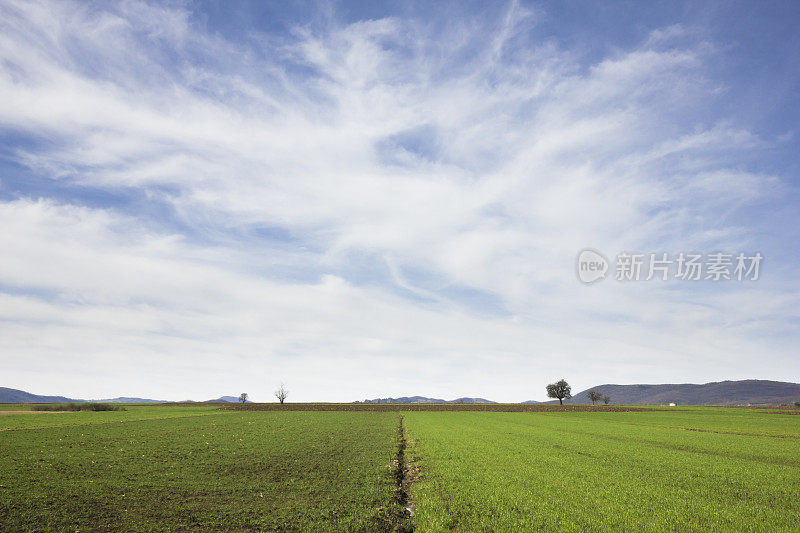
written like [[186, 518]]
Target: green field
[[187, 468], [706, 469], [164, 468]]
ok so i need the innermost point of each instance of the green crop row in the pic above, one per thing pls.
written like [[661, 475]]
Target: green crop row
[[261, 471], [194, 467], [658, 471]]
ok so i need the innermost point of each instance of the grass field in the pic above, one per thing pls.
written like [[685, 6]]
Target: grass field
[[160, 468], [705, 469], [194, 468]]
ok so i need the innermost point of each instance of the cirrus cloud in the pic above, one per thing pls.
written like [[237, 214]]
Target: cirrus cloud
[[369, 208]]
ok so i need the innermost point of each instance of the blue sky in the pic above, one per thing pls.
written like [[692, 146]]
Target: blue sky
[[366, 200]]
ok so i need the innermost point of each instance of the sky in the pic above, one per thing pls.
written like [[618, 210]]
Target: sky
[[366, 199]]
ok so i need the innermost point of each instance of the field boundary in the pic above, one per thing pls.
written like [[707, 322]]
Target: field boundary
[[405, 475], [399, 407], [396, 515]]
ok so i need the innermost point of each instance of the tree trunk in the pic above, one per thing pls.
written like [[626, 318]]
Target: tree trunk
[[560, 402]]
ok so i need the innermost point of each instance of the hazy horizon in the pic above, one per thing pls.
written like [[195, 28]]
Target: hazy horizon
[[268, 397]]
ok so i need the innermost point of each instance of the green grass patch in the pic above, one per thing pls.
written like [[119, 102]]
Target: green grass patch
[[195, 467], [208, 470], [26, 419], [705, 469]]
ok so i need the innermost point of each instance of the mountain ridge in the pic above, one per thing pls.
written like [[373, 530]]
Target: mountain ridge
[[8, 395], [425, 399], [728, 392]]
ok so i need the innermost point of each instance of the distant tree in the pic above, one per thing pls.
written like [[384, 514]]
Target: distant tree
[[561, 390], [282, 393], [594, 396], [606, 399], [243, 397]]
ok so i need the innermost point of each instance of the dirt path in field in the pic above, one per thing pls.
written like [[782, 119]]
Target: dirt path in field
[[406, 475], [396, 515], [403, 481]]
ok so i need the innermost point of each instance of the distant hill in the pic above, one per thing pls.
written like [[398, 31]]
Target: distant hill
[[124, 399], [424, 399], [18, 396], [226, 399], [745, 392], [471, 400], [407, 399]]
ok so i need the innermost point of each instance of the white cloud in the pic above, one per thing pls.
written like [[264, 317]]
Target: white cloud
[[436, 162]]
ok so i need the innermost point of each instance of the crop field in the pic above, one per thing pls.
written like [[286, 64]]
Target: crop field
[[196, 468], [698, 470], [199, 467]]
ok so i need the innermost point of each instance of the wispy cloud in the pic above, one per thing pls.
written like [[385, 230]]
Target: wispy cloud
[[340, 197]]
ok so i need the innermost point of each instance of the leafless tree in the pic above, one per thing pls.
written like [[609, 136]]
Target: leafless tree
[[561, 390], [594, 396], [282, 393], [243, 397], [606, 399]]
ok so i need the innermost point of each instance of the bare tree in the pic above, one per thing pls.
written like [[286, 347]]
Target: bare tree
[[560, 389], [606, 399], [243, 397], [282, 393], [594, 396]]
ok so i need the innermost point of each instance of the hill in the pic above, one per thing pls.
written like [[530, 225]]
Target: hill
[[125, 399], [18, 396], [745, 392], [424, 399], [471, 400], [226, 399]]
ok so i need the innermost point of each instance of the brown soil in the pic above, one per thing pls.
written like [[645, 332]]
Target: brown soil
[[31, 412], [490, 407]]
